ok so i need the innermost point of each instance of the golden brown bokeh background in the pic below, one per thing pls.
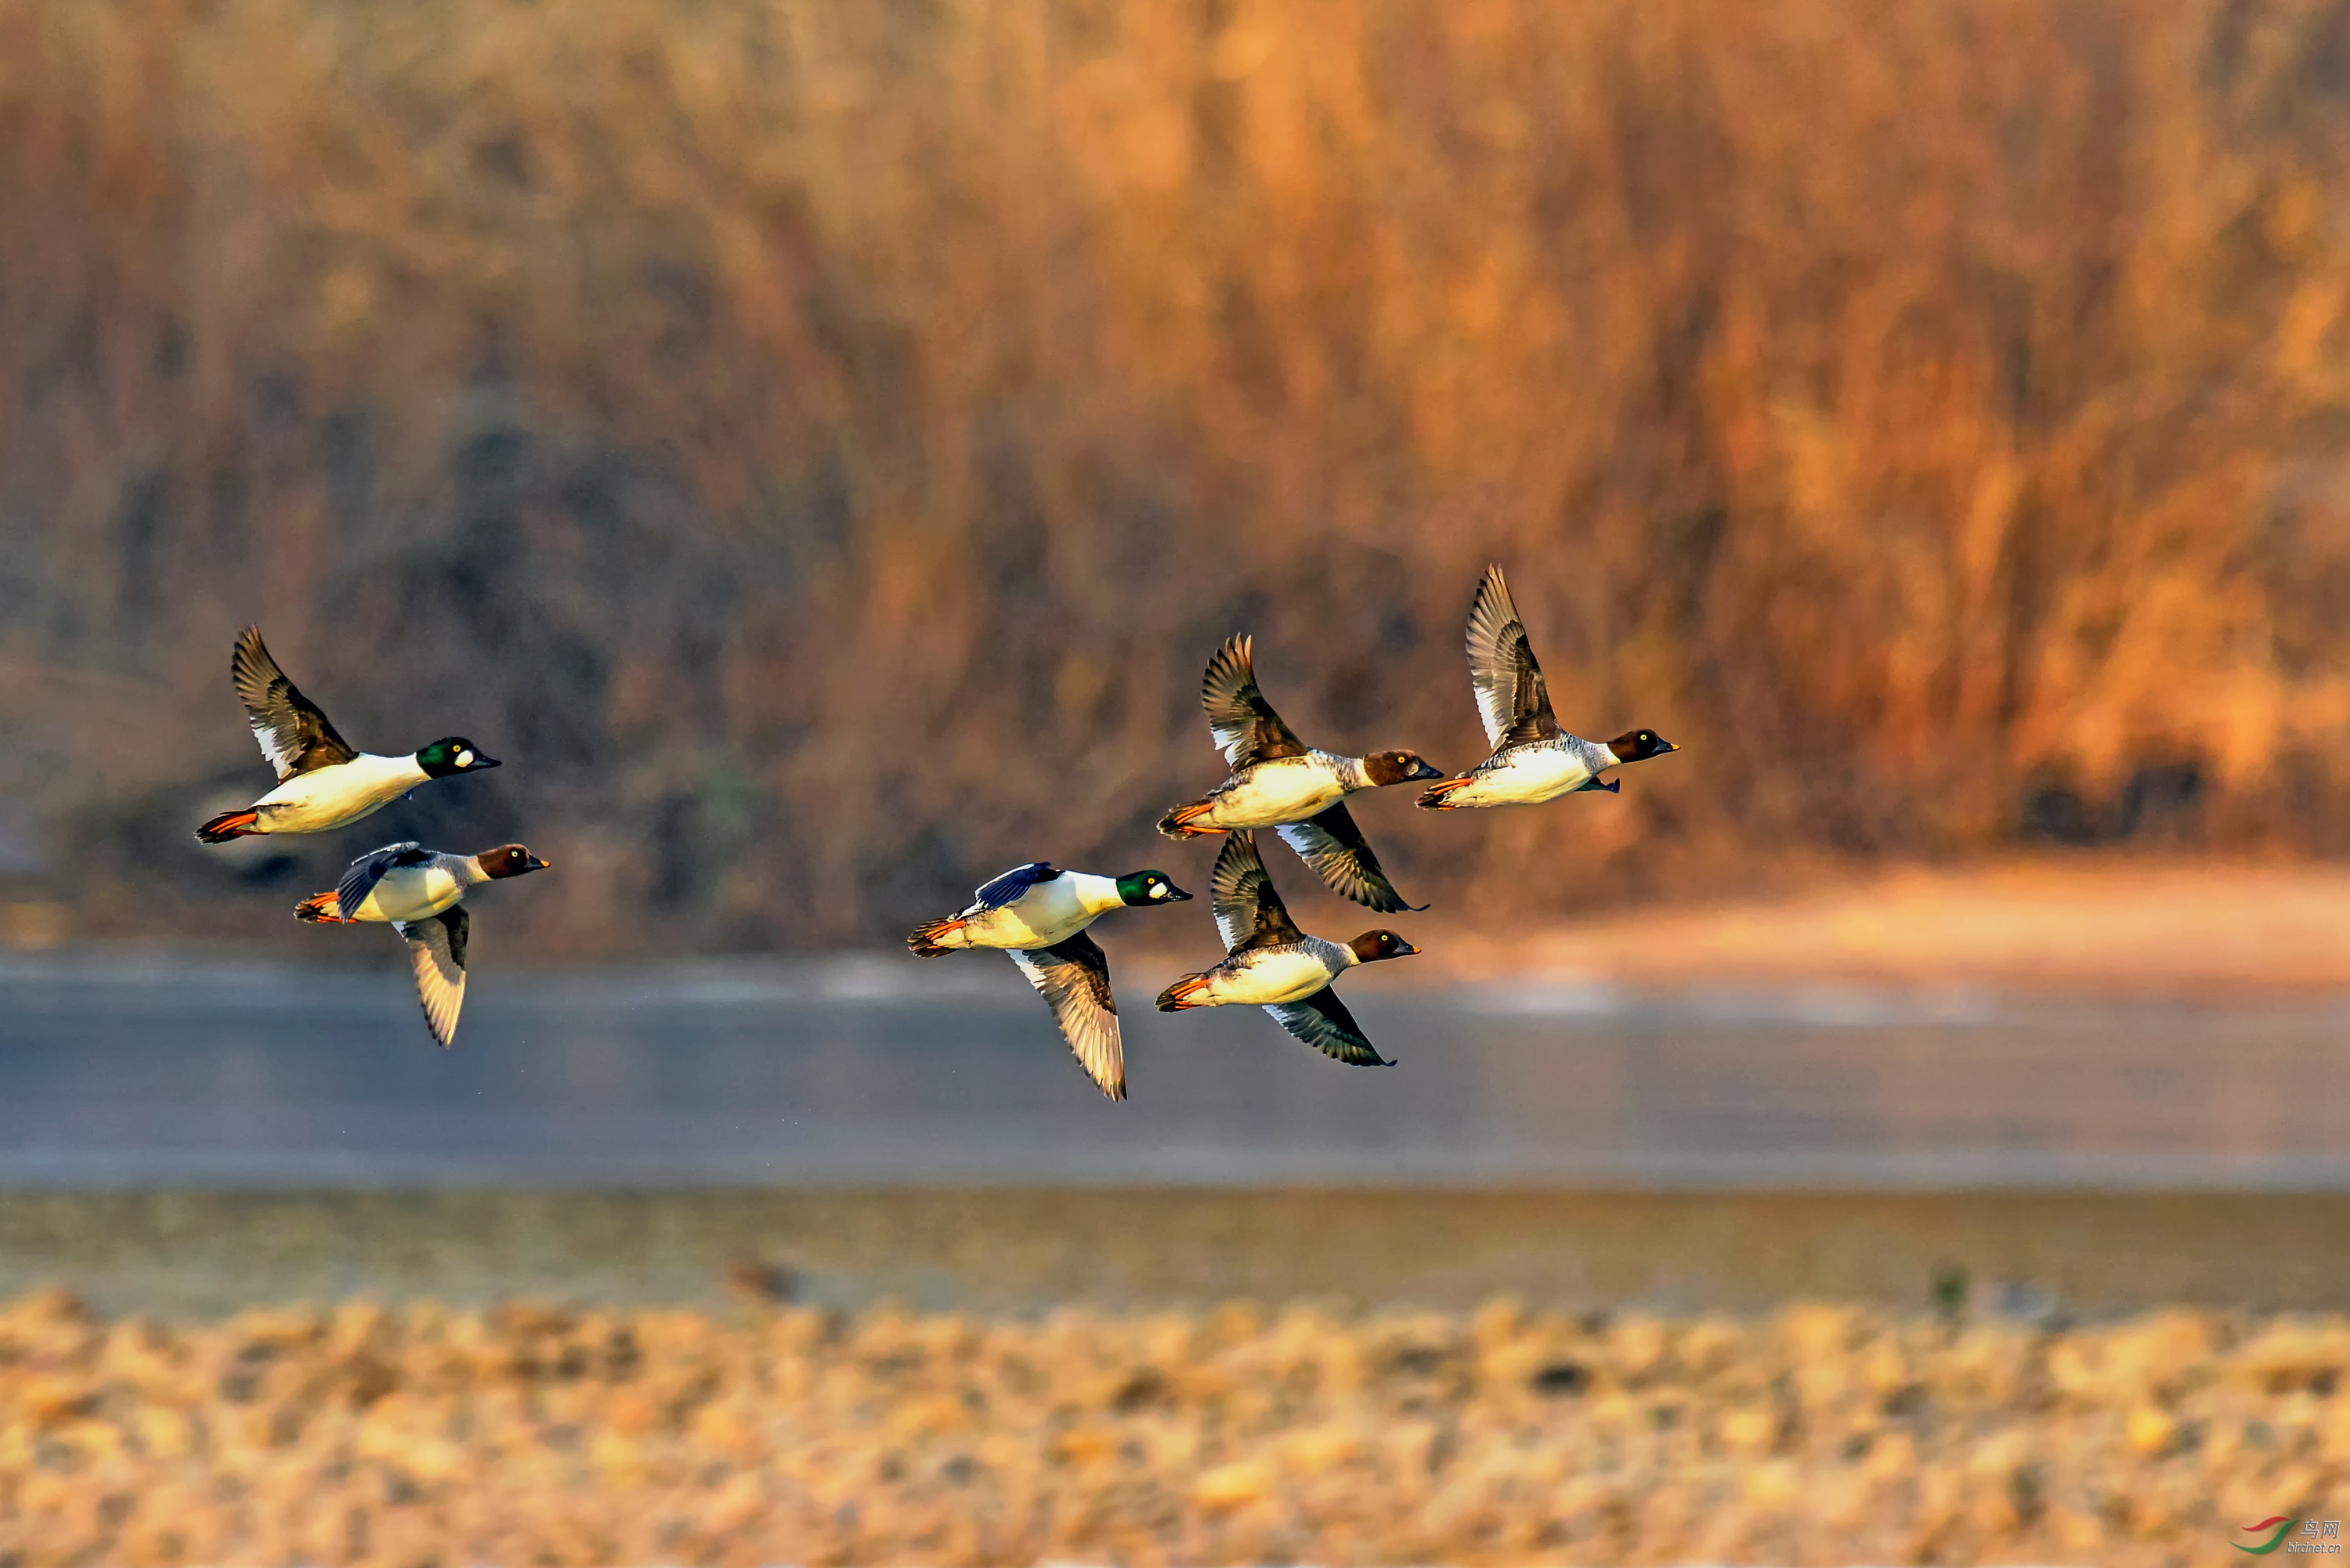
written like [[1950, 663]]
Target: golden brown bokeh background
[[818, 445]]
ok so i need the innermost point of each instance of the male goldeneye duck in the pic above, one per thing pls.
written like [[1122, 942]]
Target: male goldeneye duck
[[1277, 781], [1039, 915], [1276, 966], [1534, 759], [417, 890], [322, 783]]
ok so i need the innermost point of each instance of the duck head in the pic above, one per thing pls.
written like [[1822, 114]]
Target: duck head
[[1398, 767], [510, 860], [455, 754], [1148, 887], [1639, 746], [1373, 946]]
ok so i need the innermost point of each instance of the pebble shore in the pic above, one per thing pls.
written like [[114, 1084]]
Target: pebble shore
[[531, 1434]]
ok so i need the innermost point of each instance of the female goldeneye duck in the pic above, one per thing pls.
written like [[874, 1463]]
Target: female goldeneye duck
[[418, 891], [1533, 758], [1039, 915], [322, 783], [1279, 781], [1273, 965]]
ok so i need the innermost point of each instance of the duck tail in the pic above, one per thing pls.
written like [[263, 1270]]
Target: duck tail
[[1177, 823], [1178, 996], [229, 824], [931, 940], [1438, 795], [321, 909]]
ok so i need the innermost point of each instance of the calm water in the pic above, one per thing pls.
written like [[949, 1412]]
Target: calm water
[[136, 1071]]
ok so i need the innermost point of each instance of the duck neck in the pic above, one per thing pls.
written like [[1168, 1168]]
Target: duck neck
[[1096, 895]]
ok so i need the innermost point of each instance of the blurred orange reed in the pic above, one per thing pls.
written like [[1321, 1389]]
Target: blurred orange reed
[[820, 445]]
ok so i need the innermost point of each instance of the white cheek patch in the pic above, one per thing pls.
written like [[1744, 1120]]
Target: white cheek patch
[[1160, 891], [464, 759]]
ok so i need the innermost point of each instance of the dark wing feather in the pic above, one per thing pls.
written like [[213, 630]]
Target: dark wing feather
[[1007, 888], [368, 870], [436, 948], [1243, 721], [1073, 977], [1248, 912], [1322, 1022], [1335, 847], [295, 735], [1512, 699]]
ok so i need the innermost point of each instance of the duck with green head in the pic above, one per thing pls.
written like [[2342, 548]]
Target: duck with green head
[[1039, 915]]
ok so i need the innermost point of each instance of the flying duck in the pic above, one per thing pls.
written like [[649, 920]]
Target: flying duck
[[418, 891], [1277, 781], [1533, 759], [1039, 916], [322, 783], [1276, 966]]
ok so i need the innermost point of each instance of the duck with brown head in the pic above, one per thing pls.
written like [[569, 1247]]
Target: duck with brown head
[[1278, 781], [418, 892], [1270, 963], [1534, 758]]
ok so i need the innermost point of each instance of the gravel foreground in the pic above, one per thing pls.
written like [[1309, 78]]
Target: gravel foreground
[[530, 1433]]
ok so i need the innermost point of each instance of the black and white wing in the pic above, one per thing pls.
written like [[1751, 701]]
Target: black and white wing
[[1322, 1022], [1243, 721], [1335, 847], [1073, 977], [1008, 888], [295, 735], [1511, 696], [368, 870], [436, 947], [1248, 912]]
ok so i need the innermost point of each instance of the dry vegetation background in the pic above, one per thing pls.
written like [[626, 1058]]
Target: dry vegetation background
[[817, 445]]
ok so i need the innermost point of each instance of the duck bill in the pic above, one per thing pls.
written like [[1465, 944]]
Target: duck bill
[[484, 760], [1176, 895], [1422, 771], [538, 864]]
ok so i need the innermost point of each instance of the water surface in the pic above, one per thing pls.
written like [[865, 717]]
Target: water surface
[[135, 1070]]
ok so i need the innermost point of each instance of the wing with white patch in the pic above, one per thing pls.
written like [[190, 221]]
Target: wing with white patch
[[1248, 912], [436, 947], [368, 870], [1512, 699], [295, 734], [1243, 721], [1322, 1022], [1008, 888], [1073, 977], [1335, 849]]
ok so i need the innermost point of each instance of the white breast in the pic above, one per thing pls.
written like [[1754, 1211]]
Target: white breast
[[412, 893], [1276, 976], [1532, 774], [1289, 789], [1048, 913], [332, 797]]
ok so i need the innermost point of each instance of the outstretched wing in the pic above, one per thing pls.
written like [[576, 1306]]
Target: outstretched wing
[[436, 947], [1073, 977], [295, 735], [1248, 912], [368, 870], [1511, 696], [1322, 1022], [1335, 847], [1007, 888], [1243, 721]]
